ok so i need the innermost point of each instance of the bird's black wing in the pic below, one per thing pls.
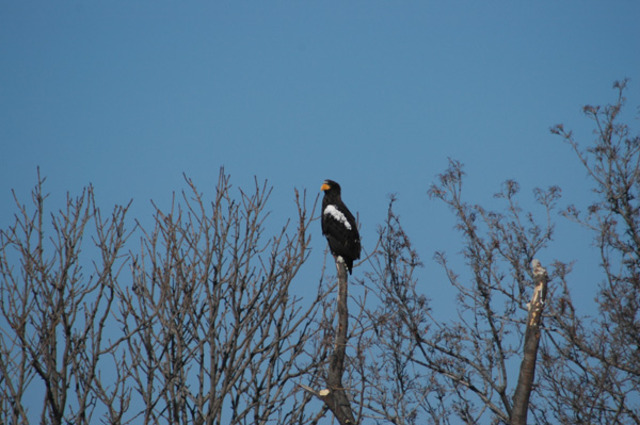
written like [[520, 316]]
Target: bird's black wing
[[340, 228]]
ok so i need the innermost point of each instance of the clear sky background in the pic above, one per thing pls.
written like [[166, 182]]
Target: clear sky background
[[377, 95]]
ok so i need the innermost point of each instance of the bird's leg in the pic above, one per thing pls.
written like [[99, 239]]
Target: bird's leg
[[339, 260]]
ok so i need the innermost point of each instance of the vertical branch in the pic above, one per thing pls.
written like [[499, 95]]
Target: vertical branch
[[335, 397], [531, 341], [338, 356]]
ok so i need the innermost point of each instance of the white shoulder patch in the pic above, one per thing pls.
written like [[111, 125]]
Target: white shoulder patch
[[336, 214]]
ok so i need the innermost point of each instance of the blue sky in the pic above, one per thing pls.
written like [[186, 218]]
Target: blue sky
[[376, 95]]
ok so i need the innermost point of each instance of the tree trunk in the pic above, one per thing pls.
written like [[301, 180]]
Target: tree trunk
[[531, 342], [335, 396]]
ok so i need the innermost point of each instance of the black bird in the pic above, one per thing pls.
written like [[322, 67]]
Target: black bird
[[339, 225]]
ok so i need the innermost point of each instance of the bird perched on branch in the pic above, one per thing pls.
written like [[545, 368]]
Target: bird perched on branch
[[339, 226]]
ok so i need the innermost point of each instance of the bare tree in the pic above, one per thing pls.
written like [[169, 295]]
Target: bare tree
[[593, 364], [457, 370], [464, 369], [205, 331], [220, 339], [53, 314]]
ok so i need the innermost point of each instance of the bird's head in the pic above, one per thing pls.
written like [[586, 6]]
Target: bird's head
[[329, 186]]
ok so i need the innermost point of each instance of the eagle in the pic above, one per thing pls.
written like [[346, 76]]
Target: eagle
[[339, 226]]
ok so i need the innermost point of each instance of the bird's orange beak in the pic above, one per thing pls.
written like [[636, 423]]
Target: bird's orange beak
[[325, 187]]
